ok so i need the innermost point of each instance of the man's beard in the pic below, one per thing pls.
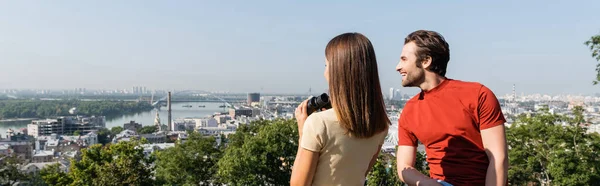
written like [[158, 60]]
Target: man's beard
[[413, 80]]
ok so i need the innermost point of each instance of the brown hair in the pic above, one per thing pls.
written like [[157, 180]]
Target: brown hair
[[431, 44], [354, 85]]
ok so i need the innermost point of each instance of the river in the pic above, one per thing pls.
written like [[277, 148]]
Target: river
[[144, 118]]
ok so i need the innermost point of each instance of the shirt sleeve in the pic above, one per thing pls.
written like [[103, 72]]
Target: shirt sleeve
[[490, 113], [405, 136], [313, 134]]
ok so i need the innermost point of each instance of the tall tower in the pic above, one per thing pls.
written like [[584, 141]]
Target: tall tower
[[253, 97], [169, 110], [513, 101], [392, 93], [514, 94]]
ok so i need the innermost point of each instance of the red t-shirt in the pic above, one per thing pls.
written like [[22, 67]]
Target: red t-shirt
[[448, 120]]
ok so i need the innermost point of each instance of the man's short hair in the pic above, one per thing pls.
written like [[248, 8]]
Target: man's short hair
[[432, 44]]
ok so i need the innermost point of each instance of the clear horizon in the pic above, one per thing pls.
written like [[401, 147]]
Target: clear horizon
[[272, 46]]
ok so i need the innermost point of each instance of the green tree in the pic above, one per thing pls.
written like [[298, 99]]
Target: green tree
[[552, 149], [395, 181], [421, 163], [578, 115], [391, 177], [190, 163], [104, 136], [164, 127], [148, 129], [27, 108], [9, 170], [53, 175], [116, 130], [261, 153], [381, 173], [397, 103], [35, 178], [123, 163], [594, 44], [76, 133]]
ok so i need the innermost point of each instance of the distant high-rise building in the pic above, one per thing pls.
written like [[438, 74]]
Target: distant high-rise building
[[253, 97], [398, 95], [392, 93], [138, 90], [65, 125], [132, 125], [248, 112]]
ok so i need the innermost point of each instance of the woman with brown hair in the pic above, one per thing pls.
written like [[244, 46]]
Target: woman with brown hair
[[340, 145]]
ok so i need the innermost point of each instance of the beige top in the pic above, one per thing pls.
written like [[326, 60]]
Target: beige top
[[343, 160]]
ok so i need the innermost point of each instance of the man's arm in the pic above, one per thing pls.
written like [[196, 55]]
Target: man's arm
[[494, 142], [491, 124], [405, 160]]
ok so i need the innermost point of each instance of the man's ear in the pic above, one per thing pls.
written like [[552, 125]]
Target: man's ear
[[426, 62]]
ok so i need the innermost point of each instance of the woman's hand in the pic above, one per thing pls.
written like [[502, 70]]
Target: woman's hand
[[301, 115]]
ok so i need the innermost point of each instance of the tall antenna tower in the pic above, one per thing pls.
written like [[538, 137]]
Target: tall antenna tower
[[514, 94], [513, 102], [169, 112]]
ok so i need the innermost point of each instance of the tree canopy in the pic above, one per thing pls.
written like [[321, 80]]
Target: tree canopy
[[552, 149], [116, 130], [594, 44], [9, 170], [46, 108], [385, 172], [123, 163], [261, 153], [148, 129], [190, 163], [544, 149], [53, 175]]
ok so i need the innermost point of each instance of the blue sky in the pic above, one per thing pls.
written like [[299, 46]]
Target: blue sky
[[277, 46]]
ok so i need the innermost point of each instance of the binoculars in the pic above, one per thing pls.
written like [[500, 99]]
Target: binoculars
[[318, 103]]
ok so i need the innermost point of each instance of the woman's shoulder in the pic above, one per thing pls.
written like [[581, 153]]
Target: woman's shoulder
[[322, 120], [326, 117]]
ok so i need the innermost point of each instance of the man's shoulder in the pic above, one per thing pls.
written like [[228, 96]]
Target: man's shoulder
[[471, 87], [412, 99], [410, 102], [468, 85], [409, 105]]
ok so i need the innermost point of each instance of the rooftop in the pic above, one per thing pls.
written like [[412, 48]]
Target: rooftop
[[39, 166], [52, 142], [43, 153]]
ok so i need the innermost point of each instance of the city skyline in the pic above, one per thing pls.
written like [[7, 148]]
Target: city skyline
[[278, 47]]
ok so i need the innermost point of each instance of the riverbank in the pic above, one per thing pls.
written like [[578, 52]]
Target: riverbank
[[46, 109], [179, 110], [17, 119]]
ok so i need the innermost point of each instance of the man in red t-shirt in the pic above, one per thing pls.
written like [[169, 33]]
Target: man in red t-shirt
[[460, 123]]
